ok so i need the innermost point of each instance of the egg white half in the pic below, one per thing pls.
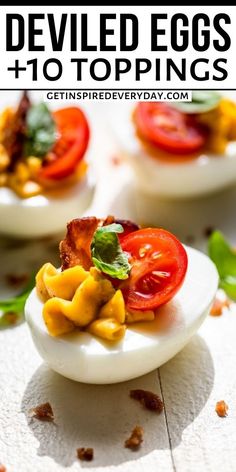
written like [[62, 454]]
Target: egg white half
[[85, 358], [43, 215], [206, 174]]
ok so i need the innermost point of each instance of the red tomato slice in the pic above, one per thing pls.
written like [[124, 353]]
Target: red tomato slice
[[69, 149], [159, 263], [168, 128]]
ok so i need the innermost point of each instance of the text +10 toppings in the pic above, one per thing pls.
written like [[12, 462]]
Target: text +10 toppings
[[206, 124], [112, 274], [40, 149]]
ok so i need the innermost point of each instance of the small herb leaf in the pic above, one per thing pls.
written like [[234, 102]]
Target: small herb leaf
[[224, 258], [107, 254], [202, 101], [15, 304], [41, 130]]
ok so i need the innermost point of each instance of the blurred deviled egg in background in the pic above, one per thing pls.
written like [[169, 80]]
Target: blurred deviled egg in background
[[44, 179], [180, 149]]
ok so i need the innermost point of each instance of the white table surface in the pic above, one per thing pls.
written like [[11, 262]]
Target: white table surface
[[188, 435]]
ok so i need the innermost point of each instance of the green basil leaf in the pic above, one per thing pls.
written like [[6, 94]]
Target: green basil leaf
[[229, 286], [202, 101], [224, 258], [16, 304], [41, 130], [107, 254]]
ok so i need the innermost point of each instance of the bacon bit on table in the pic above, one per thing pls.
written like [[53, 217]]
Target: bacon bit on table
[[10, 318], [218, 306], [149, 400], [135, 439], [42, 412], [85, 454], [116, 160], [14, 135], [14, 280], [221, 408], [208, 231], [190, 239], [3, 468]]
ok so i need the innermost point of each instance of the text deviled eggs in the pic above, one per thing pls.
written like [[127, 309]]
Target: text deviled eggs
[[181, 150], [124, 301], [43, 171]]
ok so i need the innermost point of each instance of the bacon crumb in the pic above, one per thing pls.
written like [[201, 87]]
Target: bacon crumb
[[43, 412], [15, 280], [85, 454], [149, 400], [218, 306], [10, 318], [3, 468], [135, 439], [14, 134], [116, 160], [208, 231], [221, 408], [190, 239]]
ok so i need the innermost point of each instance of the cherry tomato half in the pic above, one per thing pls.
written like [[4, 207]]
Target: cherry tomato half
[[168, 128], [69, 149], [159, 263]]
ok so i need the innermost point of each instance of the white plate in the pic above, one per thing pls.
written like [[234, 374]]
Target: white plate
[[146, 346]]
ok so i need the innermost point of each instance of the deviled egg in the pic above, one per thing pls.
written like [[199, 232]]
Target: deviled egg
[[181, 150], [124, 301], [43, 171]]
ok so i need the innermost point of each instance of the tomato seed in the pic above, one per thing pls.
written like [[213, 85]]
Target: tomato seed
[[144, 249], [160, 273]]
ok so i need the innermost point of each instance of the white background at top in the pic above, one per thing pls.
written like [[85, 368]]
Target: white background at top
[[68, 79]]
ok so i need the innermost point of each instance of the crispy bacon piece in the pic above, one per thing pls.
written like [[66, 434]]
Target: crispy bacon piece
[[75, 248], [15, 133], [3, 468], [108, 220]]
